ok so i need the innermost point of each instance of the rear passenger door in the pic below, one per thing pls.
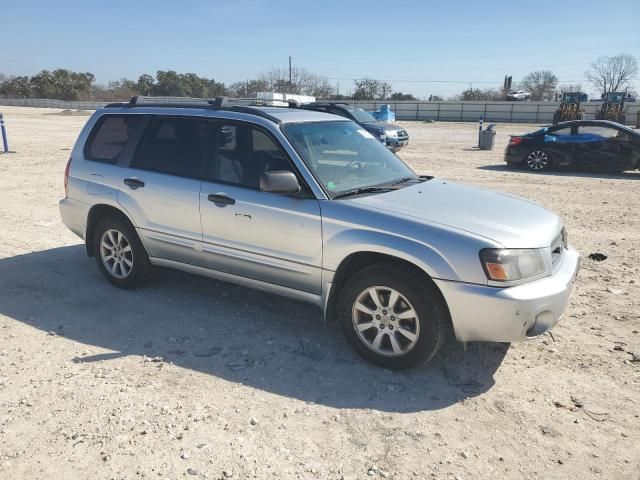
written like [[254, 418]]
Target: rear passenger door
[[561, 143], [249, 233], [161, 187]]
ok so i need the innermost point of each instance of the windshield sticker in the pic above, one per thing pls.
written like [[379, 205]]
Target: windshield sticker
[[331, 185], [365, 134]]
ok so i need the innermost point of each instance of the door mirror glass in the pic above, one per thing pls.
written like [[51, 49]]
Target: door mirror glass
[[282, 182]]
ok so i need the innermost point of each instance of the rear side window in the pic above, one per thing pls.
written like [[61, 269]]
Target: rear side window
[[562, 132], [173, 145], [109, 136]]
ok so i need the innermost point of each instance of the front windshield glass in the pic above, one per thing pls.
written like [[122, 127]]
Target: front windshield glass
[[360, 115], [344, 157]]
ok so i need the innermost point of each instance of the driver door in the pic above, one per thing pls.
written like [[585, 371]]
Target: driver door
[[605, 148], [246, 232]]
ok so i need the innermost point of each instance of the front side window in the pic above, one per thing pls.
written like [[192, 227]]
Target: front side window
[[345, 157], [597, 130], [109, 137], [242, 154], [173, 145]]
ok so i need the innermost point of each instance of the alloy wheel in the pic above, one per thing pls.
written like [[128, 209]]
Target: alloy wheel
[[116, 253], [537, 160], [385, 321]]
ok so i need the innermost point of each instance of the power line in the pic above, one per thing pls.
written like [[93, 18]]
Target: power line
[[518, 54]]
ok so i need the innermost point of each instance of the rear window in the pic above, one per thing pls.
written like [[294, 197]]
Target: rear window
[[109, 136]]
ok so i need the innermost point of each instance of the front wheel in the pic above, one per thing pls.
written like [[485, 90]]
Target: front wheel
[[392, 317], [538, 161]]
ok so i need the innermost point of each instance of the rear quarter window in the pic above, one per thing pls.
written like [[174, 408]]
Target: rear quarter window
[[109, 136]]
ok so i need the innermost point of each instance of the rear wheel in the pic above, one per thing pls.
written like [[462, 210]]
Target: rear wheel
[[538, 161], [393, 317], [119, 253]]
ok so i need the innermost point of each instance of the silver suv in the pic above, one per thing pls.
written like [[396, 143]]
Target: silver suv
[[312, 206]]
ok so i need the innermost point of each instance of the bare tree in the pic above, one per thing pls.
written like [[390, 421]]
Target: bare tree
[[369, 89], [302, 82], [541, 83], [612, 74], [571, 87]]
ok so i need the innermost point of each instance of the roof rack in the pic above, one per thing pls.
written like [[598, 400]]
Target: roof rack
[[318, 104], [219, 103]]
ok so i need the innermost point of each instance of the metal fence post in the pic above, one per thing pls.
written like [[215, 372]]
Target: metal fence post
[[537, 113], [417, 111], [438, 114], [511, 116], [5, 143], [461, 111]]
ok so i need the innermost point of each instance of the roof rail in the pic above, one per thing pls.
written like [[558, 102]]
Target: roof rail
[[220, 103]]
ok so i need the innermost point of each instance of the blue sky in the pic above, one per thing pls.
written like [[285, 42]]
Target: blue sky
[[421, 47]]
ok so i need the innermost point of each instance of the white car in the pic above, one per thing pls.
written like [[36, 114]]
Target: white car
[[518, 95]]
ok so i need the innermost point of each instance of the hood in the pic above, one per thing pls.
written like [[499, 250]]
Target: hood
[[510, 221], [383, 125]]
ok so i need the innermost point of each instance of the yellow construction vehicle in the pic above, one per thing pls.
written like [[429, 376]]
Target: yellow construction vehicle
[[570, 108], [613, 108]]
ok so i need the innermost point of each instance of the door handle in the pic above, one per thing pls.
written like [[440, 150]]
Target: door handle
[[221, 198], [134, 183]]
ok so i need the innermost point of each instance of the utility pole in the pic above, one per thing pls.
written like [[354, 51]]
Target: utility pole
[[290, 84]]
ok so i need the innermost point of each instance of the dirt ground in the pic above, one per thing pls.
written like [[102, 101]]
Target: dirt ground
[[193, 378]]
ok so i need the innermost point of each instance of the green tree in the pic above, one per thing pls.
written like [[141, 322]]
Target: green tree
[[16, 87], [402, 96], [62, 84]]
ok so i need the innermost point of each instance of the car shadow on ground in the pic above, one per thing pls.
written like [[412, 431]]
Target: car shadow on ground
[[242, 335], [564, 173]]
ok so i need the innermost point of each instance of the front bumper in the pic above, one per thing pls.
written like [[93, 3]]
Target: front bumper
[[396, 144], [483, 313]]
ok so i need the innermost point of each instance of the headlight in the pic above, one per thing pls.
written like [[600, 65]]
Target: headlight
[[507, 265], [392, 133]]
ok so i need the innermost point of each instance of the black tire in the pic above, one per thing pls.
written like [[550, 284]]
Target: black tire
[[538, 161], [137, 255], [422, 296], [622, 119], [556, 117]]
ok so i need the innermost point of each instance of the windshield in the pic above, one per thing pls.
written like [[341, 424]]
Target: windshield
[[344, 157], [360, 115]]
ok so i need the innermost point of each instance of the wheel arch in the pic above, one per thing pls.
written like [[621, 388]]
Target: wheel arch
[[355, 261], [96, 213]]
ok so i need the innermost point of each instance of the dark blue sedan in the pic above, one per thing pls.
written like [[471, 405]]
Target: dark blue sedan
[[578, 145]]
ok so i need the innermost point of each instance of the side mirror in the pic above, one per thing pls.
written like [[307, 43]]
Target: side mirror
[[282, 182]]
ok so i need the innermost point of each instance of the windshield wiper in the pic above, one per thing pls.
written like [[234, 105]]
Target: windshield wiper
[[359, 191], [409, 179]]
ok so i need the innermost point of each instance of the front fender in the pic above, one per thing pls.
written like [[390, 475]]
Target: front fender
[[423, 256]]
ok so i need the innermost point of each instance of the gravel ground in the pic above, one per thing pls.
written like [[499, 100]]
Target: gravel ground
[[193, 378]]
